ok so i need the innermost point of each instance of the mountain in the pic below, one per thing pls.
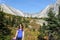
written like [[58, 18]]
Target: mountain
[[10, 10], [13, 11], [42, 14]]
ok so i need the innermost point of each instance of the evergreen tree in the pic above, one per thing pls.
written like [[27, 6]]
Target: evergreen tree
[[52, 29], [4, 30]]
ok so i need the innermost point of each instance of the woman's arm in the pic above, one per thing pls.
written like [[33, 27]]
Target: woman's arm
[[23, 36]]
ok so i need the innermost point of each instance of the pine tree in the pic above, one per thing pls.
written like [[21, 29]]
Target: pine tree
[[4, 30], [52, 29]]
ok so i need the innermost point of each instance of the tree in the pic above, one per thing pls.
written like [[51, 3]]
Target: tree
[[53, 27], [4, 30]]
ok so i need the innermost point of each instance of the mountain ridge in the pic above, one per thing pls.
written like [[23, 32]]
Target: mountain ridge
[[41, 14], [10, 10]]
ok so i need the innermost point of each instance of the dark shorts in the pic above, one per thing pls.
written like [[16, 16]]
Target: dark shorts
[[18, 38]]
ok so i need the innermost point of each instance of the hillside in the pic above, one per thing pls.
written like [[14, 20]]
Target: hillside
[[11, 22], [11, 10]]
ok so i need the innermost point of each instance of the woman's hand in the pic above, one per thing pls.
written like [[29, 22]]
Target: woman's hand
[[14, 37]]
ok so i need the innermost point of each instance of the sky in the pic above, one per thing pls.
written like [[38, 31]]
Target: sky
[[29, 6]]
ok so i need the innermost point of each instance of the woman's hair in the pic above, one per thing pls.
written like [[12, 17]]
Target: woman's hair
[[21, 26]]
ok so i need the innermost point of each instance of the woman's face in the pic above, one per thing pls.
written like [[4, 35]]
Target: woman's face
[[20, 26]]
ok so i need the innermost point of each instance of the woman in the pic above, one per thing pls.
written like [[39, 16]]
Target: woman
[[20, 33]]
